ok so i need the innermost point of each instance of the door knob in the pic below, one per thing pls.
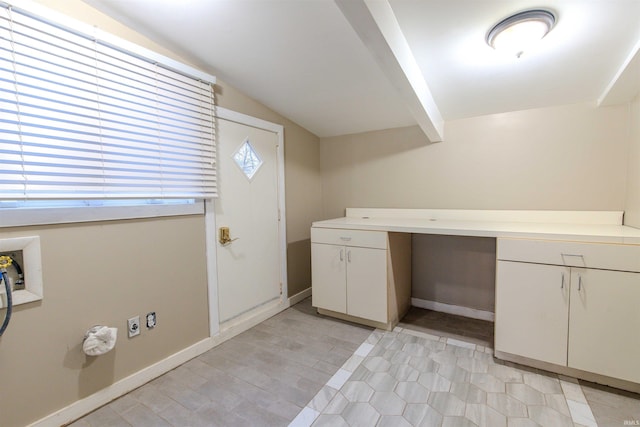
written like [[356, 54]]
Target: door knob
[[225, 236]]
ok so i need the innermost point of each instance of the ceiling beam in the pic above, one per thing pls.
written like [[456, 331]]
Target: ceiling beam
[[625, 85], [377, 26]]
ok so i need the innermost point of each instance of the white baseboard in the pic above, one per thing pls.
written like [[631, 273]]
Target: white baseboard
[[90, 403], [248, 320], [293, 300], [228, 330], [453, 309]]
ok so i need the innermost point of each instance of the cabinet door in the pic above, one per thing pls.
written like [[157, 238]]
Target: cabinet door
[[532, 310], [328, 277], [604, 333], [367, 283]]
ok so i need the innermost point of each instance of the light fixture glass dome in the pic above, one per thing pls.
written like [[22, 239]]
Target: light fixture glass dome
[[519, 32]]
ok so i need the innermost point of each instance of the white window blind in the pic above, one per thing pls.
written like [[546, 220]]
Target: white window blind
[[83, 119]]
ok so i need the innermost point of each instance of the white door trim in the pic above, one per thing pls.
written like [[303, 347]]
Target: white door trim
[[212, 266], [234, 116]]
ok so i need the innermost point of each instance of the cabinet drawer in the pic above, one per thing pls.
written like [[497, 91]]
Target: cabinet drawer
[[573, 254], [336, 236]]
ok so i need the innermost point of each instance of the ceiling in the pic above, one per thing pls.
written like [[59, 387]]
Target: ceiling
[[348, 66]]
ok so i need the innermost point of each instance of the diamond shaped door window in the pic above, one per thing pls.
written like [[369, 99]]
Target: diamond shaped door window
[[247, 159]]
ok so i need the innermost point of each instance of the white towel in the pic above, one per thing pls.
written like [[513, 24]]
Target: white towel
[[99, 340]]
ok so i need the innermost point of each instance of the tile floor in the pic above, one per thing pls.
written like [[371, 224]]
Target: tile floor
[[262, 377], [408, 378], [301, 369]]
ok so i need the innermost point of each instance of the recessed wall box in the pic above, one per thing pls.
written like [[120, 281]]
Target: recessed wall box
[[31, 266]]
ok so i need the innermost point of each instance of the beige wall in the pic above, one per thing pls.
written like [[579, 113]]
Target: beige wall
[[101, 273], [563, 158], [302, 165], [456, 270], [110, 271], [567, 157], [632, 203]]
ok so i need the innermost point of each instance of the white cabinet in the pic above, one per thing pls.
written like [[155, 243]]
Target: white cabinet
[[330, 281], [532, 310], [604, 323], [367, 283], [581, 314], [363, 269], [353, 275]]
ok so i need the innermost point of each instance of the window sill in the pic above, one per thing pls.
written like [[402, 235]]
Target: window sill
[[44, 216]]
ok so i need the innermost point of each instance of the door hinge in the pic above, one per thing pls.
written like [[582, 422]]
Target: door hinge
[[280, 288]]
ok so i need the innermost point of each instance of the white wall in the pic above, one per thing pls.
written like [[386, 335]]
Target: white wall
[[632, 203]]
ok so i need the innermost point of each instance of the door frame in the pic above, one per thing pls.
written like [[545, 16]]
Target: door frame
[[210, 220]]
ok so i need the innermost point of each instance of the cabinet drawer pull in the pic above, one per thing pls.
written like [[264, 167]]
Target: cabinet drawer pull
[[341, 254], [345, 239], [575, 257]]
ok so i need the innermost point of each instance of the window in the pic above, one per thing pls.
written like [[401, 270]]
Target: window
[[247, 159], [90, 117]]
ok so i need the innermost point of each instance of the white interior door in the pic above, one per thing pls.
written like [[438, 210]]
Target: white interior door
[[249, 266]]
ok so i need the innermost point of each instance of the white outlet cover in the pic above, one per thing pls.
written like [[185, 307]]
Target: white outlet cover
[[151, 320], [133, 326]]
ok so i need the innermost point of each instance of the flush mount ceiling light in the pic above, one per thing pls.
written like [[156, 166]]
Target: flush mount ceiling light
[[518, 32]]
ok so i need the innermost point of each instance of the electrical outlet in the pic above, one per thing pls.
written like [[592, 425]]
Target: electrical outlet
[[133, 326], [151, 320]]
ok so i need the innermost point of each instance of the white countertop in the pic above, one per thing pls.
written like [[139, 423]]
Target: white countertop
[[606, 233]]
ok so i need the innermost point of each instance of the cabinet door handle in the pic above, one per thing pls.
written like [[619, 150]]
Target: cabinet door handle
[[349, 256], [562, 283], [341, 254], [579, 283]]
